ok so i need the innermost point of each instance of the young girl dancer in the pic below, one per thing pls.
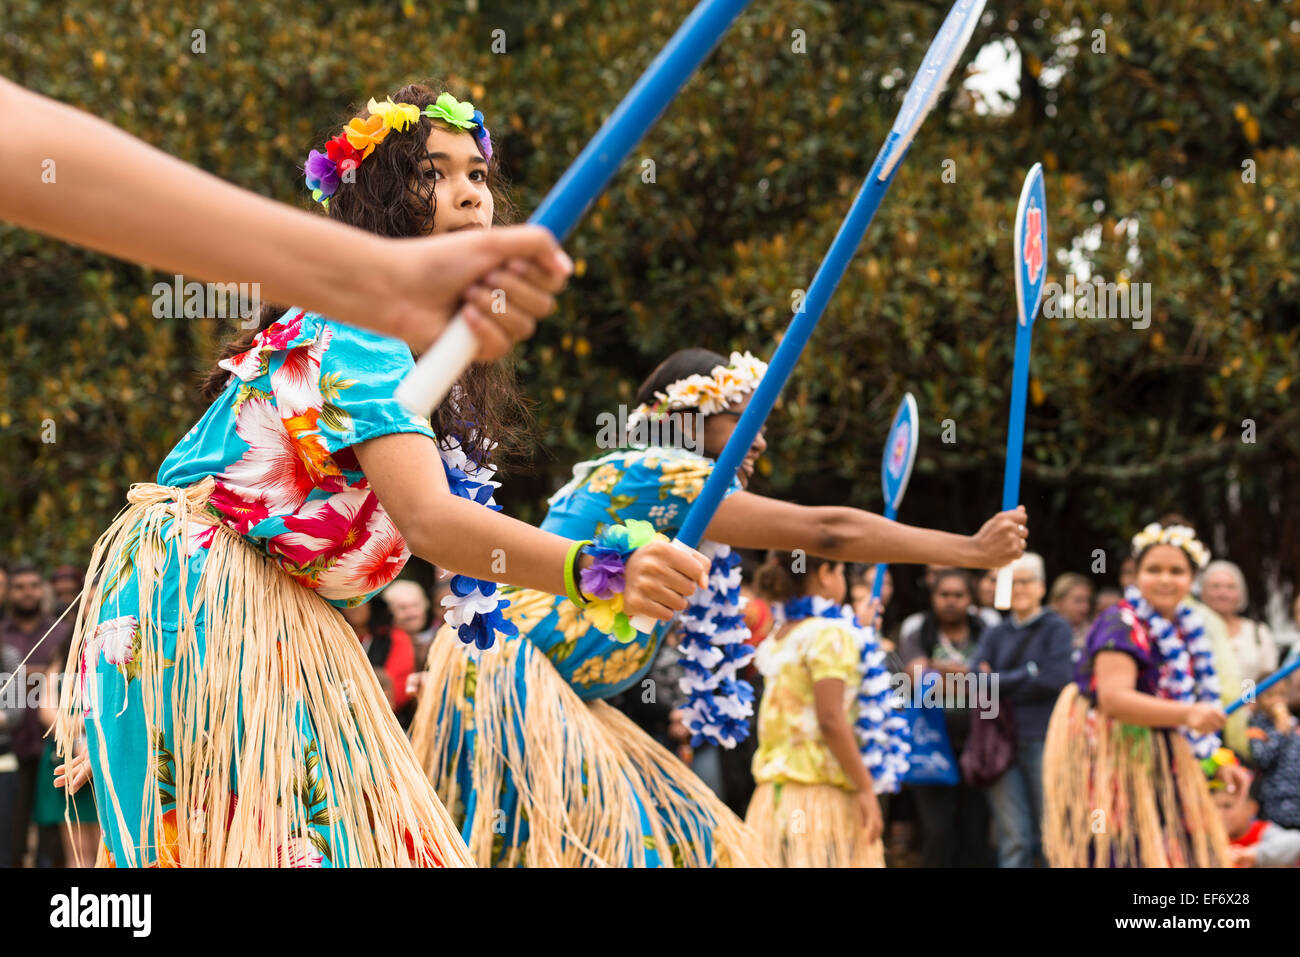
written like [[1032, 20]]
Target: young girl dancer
[[231, 715], [1131, 742], [815, 804], [518, 741]]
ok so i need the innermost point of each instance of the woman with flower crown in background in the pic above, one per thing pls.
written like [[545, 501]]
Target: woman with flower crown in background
[[1132, 742], [232, 717], [539, 770]]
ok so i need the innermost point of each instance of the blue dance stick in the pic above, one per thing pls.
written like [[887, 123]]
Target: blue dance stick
[[1031, 277], [439, 368], [896, 468], [1264, 685], [935, 69]]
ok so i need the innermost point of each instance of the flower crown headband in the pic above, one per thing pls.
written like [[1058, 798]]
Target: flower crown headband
[[362, 134], [1179, 536], [709, 393]]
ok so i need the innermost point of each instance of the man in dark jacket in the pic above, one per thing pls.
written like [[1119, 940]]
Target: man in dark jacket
[[1030, 652], [23, 630]]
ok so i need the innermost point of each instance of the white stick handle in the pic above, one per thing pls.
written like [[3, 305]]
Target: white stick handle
[[1002, 597], [446, 360], [644, 623]]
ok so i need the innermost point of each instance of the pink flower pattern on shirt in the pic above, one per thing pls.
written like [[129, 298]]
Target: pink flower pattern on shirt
[[299, 397]]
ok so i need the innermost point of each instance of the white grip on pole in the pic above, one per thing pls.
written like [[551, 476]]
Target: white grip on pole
[[436, 372], [1002, 597], [644, 623]]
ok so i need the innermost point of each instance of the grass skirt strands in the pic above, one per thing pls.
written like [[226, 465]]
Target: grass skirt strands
[[811, 825], [580, 779], [271, 718], [1124, 796]]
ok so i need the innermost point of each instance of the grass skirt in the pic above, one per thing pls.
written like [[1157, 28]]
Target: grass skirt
[[541, 778], [1124, 796], [259, 711], [811, 825]]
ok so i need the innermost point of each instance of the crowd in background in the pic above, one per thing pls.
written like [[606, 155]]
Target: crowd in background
[[1033, 649]]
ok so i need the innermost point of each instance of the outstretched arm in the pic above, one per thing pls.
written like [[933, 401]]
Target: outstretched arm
[[746, 520], [116, 194], [406, 473]]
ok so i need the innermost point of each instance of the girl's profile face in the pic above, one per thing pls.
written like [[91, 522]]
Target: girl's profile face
[[1164, 577], [717, 430], [456, 174]]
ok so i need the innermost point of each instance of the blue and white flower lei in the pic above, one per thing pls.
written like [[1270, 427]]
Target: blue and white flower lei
[[714, 648], [1187, 673], [473, 608], [884, 737]]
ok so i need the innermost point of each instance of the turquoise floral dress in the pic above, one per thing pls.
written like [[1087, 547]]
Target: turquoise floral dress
[[656, 485], [277, 445]]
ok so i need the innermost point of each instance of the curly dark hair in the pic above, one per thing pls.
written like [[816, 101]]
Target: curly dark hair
[[489, 406]]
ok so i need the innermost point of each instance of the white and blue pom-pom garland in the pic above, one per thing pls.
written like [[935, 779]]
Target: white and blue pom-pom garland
[[884, 737], [1187, 674], [714, 647], [474, 608]]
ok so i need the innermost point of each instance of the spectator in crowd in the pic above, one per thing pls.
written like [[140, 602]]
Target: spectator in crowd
[[1031, 653], [986, 590], [408, 606], [912, 623], [390, 653], [66, 581], [1223, 588], [1071, 598], [1275, 748], [1128, 570], [4, 588], [1255, 841], [954, 820], [23, 630], [1105, 598], [74, 816], [11, 716]]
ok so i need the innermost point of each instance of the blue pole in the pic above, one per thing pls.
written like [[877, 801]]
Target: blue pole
[[1264, 685], [787, 354], [890, 513], [1016, 429], [586, 177], [437, 370]]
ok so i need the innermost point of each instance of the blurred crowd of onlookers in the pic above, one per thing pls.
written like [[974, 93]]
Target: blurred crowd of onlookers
[[1033, 649], [956, 631]]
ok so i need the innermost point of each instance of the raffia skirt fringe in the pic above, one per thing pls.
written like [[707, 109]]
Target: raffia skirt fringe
[[1123, 796], [273, 654], [580, 768], [811, 825]]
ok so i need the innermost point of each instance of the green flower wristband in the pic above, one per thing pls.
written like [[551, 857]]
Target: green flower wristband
[[570, 579]]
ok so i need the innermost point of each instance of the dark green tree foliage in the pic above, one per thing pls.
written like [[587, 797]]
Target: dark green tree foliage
[[1185, 125]]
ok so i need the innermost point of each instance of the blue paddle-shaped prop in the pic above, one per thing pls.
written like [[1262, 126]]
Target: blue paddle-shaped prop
[[1264, 685], [935, 69], [896, 468], [1031, 277], [439, 368]]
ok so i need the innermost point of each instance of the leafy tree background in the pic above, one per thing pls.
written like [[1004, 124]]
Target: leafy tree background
[[755, 165]]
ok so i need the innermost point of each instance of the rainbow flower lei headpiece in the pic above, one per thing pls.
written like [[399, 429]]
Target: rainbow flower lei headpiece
[[1179, 536], [363, 133], [709, 393]]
